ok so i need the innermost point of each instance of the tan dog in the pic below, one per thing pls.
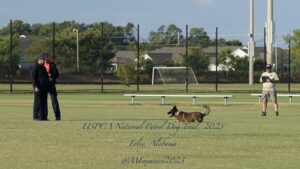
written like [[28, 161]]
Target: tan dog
[[188, 117]]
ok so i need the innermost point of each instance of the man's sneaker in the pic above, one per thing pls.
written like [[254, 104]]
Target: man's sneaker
[[263, 113], [277, 113]]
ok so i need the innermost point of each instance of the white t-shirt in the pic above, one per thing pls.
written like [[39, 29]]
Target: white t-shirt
[[269, 85]]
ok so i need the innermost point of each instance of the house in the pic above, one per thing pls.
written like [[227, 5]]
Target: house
[[240, 52], [211, 51], [160, 56], [123, 57]]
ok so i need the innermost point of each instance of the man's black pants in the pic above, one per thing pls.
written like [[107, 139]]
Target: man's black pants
[[40, 105], [55, 104]]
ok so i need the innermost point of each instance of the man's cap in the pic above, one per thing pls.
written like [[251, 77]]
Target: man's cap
[[41, 57], [269, 66], [45, 55]]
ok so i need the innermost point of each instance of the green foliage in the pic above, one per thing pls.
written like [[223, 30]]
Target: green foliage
[[18, 28], [259, 65], [5, 54], [146, 66], [197, 60], [233, 63], [224, 42], [241, 64], [198, 36], [90, 43], [91, 51], [167, 36], [226, 58], [36, 48], [294, 38], [126, 73]]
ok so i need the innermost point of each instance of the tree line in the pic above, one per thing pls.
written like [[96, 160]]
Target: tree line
[[115, 38]]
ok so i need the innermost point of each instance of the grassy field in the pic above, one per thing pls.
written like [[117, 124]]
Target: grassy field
[[92, 134]]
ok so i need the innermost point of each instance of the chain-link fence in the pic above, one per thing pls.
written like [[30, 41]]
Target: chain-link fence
[[103, 53]]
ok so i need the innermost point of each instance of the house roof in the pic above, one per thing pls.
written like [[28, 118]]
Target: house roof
[[161, 55], [160, 58], [124, 57], [259, 52], [212, 49]]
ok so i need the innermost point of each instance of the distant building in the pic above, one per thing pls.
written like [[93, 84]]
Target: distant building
[[160, 56]]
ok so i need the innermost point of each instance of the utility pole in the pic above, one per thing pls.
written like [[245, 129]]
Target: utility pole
[[77, 49], [251, 45], [270, 25], [265, 46]]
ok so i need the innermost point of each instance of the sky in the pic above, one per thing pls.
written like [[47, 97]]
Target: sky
[[230, 16]]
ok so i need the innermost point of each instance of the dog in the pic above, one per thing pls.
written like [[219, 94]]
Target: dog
[[188, 116]]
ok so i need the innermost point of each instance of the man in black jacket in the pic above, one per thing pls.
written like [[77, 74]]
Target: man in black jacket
[[40, 83], [53, 75]]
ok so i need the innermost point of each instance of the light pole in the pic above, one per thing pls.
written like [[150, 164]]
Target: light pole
[[77, 52], [251, 44], [270, 24]]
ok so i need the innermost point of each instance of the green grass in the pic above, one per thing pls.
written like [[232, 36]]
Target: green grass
[[246, 140]]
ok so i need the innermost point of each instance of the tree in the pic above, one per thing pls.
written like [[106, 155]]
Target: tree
[[91, 52], [146, 70], [227, 59], [158, 37], [19, 28], [197, 60], [5, 55], [120, 36], [172, 33], [234, 42], [198, 37], [233, 63], [224, 42], [36, 48], [165, 36], [294, 38], [259, 65], [90, 39], [126, 73]]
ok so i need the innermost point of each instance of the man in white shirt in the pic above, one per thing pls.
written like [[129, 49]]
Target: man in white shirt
[[268, 79]]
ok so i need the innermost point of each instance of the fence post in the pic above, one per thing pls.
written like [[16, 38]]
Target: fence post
[[186, 57], [11, 55], [138, 59], [217, 74], [102, 55], [289, 70], [53, 41]]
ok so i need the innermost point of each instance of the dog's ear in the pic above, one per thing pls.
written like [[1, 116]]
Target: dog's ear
[[174, 107]]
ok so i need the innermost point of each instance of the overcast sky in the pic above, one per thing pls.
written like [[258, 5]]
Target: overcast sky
[[231, 16]]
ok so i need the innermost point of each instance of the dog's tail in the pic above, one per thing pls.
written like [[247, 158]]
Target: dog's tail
[[207, 110]]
